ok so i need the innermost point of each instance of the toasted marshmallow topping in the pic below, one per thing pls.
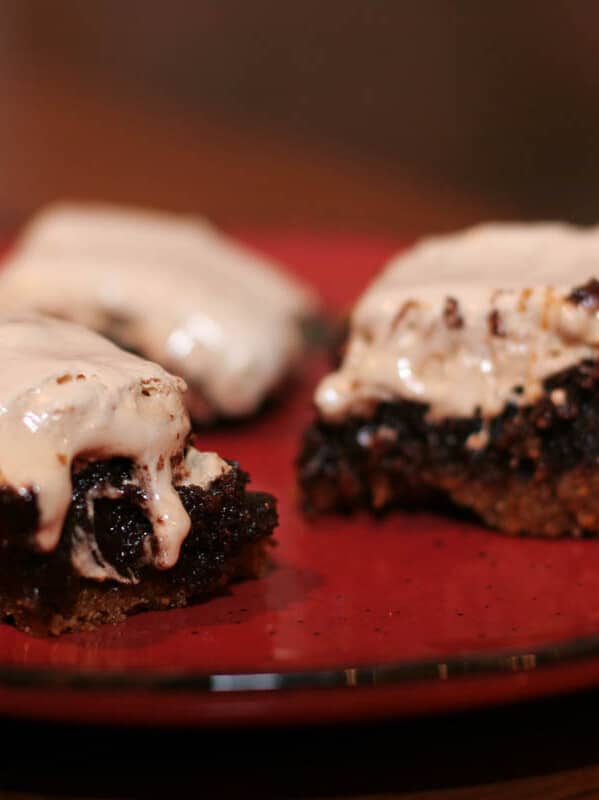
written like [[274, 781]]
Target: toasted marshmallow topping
[[66, 393], [470, 321], [171, 288]]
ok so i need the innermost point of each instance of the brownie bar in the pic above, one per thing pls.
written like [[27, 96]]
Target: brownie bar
[[85, 263], [43, 593], [530, 469]]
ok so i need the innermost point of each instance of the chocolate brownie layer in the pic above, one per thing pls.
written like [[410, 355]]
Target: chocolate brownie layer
[[44, 593], [530, 469]]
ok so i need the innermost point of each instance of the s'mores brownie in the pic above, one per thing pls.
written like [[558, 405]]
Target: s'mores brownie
[[106, 507], [470, 374], [170, 288]]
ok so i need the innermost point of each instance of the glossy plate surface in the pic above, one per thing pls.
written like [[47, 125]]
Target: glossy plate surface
[[410, 614]]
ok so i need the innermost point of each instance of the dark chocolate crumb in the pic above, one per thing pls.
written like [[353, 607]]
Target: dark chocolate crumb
[[496, 326], [451, 314], [402, 313], [586, 295]]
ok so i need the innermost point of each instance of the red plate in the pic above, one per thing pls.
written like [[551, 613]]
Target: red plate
[[415, 613]]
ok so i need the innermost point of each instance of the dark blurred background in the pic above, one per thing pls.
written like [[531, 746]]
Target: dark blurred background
[[370, 114]]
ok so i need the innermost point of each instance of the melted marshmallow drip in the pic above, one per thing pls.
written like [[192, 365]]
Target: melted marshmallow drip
[[65, 393], [511, 325], [172, 288]]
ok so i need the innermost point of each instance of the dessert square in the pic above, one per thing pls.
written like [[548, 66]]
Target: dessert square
[[106, 506], [171, 288], [469, 377]]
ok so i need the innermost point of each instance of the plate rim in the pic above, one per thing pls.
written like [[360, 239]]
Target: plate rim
[[493, 663]]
